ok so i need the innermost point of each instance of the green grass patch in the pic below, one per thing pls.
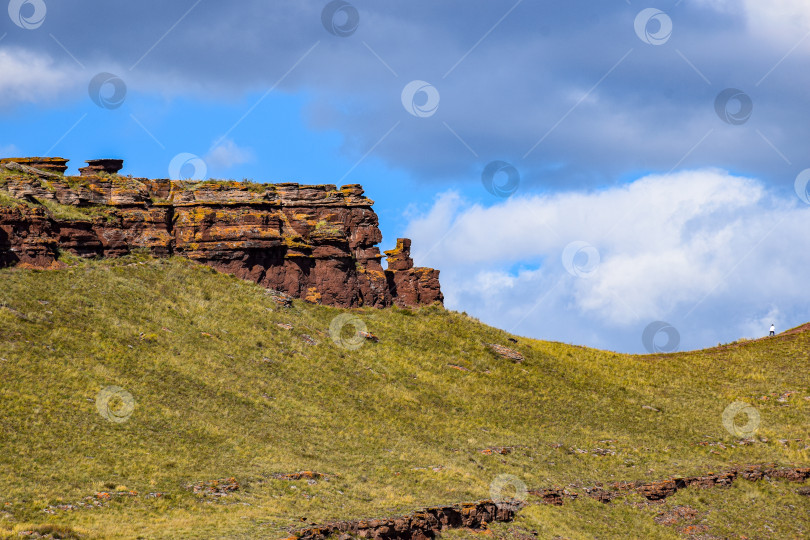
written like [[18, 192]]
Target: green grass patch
[[213, 388]]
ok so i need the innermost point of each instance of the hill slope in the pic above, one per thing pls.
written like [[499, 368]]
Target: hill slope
[[213, 385]]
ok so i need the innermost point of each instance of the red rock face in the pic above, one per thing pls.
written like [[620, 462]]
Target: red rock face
[[26, 237], [411, 286], [318, 243]]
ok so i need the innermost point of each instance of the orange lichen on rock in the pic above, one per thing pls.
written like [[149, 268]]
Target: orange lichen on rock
[[411, 286], [318, 242]]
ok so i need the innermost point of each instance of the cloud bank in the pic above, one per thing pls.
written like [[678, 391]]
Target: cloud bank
[[715, 255]]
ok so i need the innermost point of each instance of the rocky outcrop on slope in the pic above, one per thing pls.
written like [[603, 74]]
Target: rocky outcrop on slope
[[656, 491], [430, 522], [427, 523], [317, 242], [410, 286]]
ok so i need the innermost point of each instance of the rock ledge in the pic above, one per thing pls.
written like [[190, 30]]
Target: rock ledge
[[316, 242]]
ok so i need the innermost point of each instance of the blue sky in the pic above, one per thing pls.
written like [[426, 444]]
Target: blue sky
[[644, 159]]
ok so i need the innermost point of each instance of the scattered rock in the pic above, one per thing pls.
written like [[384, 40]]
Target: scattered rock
[[600, 494], [650, 408], [301, 475], [785, 397], [502, 450], [456, 366], [505, 352], [676, 515], [98, 500], [215, 488], [285, 326], [368, 335], [308, 340], [554, 497], [280, 298], [655, 491], [435, 468]]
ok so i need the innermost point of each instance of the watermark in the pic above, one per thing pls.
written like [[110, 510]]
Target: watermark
[[340, 18], [735, 409], [580, 259], [653, 26], [353, 341], [729, 113], [115, 404], [500, 168], [185, 166], [27, 14], [108, 91], [649, 338], [429, 102], [802, 186], [498, 491]]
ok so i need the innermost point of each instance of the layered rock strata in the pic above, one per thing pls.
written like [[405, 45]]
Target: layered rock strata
[[410, 286], [97, 166], [316, 242]]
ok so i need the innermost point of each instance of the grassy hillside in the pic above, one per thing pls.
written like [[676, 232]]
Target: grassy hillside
[[213, 387]]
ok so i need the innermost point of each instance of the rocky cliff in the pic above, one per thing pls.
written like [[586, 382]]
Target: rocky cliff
[[318, 242]]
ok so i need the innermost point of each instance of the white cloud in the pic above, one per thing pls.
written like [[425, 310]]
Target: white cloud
[[687, 248], [758, 325], [227, 154], [35, 77], [781, 20]]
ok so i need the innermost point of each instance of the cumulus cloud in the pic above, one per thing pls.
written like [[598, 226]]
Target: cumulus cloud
[[687, 247], [227, 154], [706, 249], [34, 77]]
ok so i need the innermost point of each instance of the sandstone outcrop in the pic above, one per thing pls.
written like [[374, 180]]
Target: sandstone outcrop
[[410, 286], [97, 166], [316, 242], [427, 523], [47, 164]]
